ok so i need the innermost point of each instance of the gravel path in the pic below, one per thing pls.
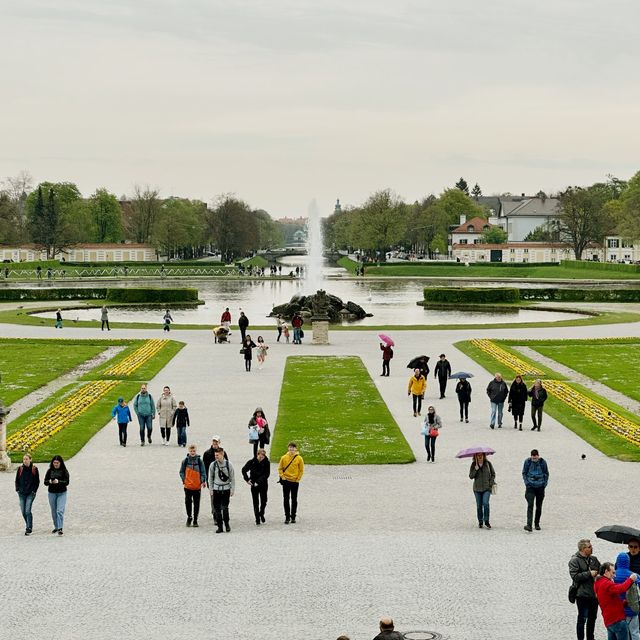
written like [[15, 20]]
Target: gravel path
[[370, 541]]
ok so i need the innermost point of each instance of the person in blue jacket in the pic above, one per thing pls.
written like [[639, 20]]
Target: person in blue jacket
[[122, 414], [623, 571], [535, 474]]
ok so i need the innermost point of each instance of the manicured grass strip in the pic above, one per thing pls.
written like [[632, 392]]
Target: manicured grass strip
[[332, 409], [347, 263], [26, 366]]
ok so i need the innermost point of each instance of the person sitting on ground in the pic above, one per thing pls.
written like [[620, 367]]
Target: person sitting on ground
[[387, 632]]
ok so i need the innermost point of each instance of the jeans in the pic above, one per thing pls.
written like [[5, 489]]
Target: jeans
[[464, 409], [482, 506], [296, 335], [534, 494], [221, 506], [57, 502], [259, 497], [417, 403], [496, 411], [385, 368], [122, 432], [192, 497], [536, 417], [290, 498], [587, 613], [25, 508], [618, 631], [182, 435], [145, 421], [430, 446], [633, 624]]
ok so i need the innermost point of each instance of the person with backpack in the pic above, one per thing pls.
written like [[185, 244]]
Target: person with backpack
[[145, 409], [181, 420], [387, 355], [57, 479], [290, 470], [631, 601], [583, 568], [222, 484], [193, 480], [256, 474], [538, 395], [122, 415], [27, 483], [535, 474], [611, 603]]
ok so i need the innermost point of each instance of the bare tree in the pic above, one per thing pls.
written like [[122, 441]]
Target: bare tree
[[142, 212]]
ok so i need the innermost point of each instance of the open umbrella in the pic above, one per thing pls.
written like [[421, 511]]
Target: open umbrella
[[618, 533], [471, 451], [386, 339], [419, 362], [461, 374]]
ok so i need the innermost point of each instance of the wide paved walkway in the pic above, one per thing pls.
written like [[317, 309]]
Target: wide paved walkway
[[371, 540]]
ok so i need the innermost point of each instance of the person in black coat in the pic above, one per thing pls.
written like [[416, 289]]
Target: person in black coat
[[517, 400], [27, 483], [463, 391], [243, 323], [442, 372], [57, 479], [538, 395], [247, 351], [210, 454], [256, 474]]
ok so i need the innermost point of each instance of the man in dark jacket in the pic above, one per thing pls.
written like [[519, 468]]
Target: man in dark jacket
[[442, 372], [27, 483], [387, 632], [243, 323], [210, 454], [535, 474], [497, 391], [538, 395], [256, 474], [583, 568]]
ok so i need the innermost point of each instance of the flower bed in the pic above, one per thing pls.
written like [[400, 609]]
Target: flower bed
[[513, 362], [132, 362]]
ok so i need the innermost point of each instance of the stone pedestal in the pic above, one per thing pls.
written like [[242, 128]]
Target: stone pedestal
[[320, 329], [5, 461]]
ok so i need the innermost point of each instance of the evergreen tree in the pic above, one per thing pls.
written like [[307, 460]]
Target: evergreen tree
[[476, 192], [463, 186]]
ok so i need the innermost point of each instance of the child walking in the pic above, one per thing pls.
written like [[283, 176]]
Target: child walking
[[262, 351], [181, 421], [122, 414]]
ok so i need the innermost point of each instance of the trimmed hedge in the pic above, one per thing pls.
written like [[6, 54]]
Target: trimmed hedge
[[129, 295], [582, 295], [471, 295], [601, 266], [51, 293], [462, 265], [152, 295]]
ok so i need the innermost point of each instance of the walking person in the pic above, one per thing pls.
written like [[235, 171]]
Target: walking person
[[181, 420], [431, 430], [296, 323], [484, 477], [442, 372], [497, 392], [610, 598], [58, 324], [166, 407], [538, 395], [243, 323], [279, 324], [517, 400], [463, 391], [258, 421], [583, 568], [222, 484], [57, 479], [285, 332], [247, 345], [623, 571], [145, 409], [27, 483], [167, 319], [290, 470], [104, 318], [262, 349], [122, 415], [417, 388], [225, 319], [387, 355], [193, 481], [535, 474], [210, 454], [256, 474]]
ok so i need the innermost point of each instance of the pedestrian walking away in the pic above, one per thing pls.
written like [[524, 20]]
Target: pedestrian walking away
[[387, 631], [58, 324], [27, 483], [279, 325], [611, 600], [517, 400], [290, 470], [622, 572], [256, 474], [243, 323], [463, 391], [57, 479], [387, 355], [247, 351], [484, 479], [261, 349], [417, 388], [104, 318], [442, 372], [222, 484], [210, 454], [431, 430], [181, 421], [583, 569], [535, 474], [194, 480], [538, 395], [167, 319], [497, 392], [122, 415], [166, 407], [259, 432], [145, 409]]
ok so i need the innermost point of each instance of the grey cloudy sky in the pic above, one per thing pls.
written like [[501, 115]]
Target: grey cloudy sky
[[281, 101]]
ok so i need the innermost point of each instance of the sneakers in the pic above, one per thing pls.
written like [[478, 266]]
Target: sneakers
[[527, 527], [60, 532], [415, 415], [227, 527], [258, 521], [287, 520], [537, 527], [466, 420], [189, 521], [479, 525], [491, 426], [195, 523], [149, 438], [520, 429], [142, 444], [500, 426], [219, 529], [262, 517], [55, 531], [293, 519], [486, 524], [27, 532]]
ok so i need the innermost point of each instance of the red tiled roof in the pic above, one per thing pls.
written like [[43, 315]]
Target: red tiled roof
[[477, 223]]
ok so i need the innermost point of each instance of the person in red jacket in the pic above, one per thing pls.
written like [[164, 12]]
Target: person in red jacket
[[612, 605]]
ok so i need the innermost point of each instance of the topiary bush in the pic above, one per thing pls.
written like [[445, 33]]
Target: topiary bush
[[151, 295], [450, 295]]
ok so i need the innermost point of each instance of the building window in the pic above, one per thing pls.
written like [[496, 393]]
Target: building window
[[627, 244], [526, 251], [477, 241], [613, 257], [486, 227], [471, 229], [613, 243], [512, 250], [463, 241]]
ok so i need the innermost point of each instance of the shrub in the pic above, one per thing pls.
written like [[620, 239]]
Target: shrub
[[600, 266], [151, 295], [52, 294], [582, 295], [471, 295]]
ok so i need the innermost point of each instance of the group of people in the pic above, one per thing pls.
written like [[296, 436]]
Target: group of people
[[516, 397]]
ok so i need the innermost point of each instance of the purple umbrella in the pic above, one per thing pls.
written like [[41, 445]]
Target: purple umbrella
[[471, 451], [386, 339]]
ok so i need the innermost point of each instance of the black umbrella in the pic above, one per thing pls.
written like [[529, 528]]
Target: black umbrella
[[419, 362], [617, 533]]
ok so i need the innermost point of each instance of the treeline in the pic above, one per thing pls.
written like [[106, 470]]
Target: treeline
[[55, 216]]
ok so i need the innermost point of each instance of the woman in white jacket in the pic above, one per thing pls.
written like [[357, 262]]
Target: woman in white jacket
[[166, 407]]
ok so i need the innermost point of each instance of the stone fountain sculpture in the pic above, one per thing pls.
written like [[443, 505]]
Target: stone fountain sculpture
[[320, 317]]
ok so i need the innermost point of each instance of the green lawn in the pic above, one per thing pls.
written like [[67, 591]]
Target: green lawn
[[27, 365], [331, 408]]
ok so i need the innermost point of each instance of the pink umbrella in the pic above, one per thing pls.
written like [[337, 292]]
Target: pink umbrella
[[386, 339], [471, 451]]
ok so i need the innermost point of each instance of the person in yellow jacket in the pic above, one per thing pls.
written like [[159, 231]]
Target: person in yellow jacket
[[417, 387], [290, 470]]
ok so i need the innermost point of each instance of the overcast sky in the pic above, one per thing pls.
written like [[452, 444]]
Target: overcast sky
[[281, 101]]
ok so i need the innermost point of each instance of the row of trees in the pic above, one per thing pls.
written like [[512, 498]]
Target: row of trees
[[55, 216]]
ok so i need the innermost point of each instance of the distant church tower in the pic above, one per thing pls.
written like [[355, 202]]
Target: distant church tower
[[338, 207]]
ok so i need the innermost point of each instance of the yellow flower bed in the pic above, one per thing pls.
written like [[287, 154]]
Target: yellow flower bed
[[513, 362], [40, 430], [598, 413], [132, 362]]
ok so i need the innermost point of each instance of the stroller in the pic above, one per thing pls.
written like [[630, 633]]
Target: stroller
[[221, 334]]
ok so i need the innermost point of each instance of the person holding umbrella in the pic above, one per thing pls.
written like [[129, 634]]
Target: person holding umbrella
[[484, 478], [442, 372], [463, 391], [417, 387], [386, 344]]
